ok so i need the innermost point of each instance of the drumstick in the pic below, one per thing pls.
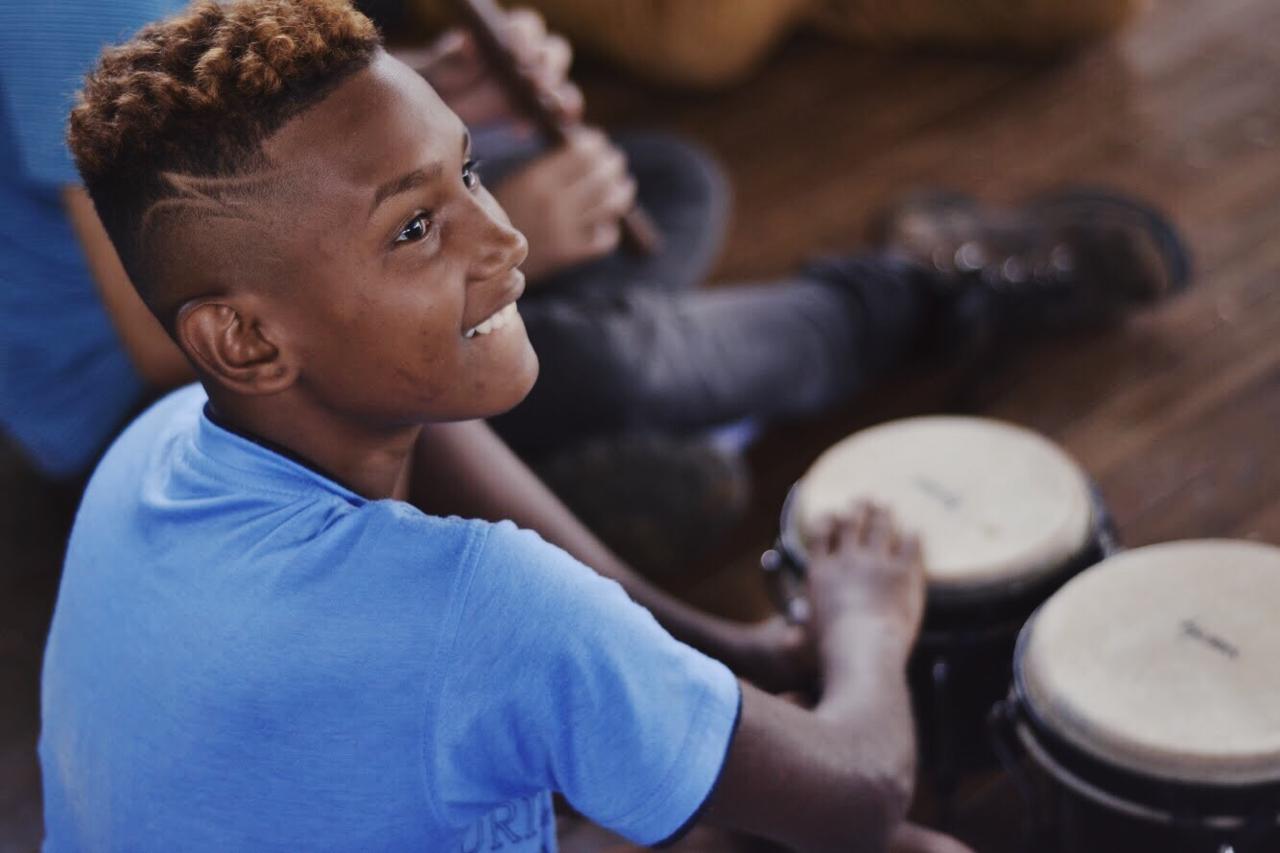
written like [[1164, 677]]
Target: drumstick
[[485, 20]]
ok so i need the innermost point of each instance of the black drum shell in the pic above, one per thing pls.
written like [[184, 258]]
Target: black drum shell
[[962, 665], [1087, 805]]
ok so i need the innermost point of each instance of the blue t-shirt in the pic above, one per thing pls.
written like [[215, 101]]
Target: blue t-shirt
[[66, 383], [245, 655]]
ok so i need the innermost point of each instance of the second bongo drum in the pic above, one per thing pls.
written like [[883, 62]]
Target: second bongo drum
[[1004, 516], [1149, 695]]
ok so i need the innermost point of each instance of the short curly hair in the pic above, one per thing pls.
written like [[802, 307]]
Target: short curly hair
[[196, 95]]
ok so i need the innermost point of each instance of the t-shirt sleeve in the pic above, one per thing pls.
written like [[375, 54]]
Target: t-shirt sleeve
[[46, 49], [556, 679]]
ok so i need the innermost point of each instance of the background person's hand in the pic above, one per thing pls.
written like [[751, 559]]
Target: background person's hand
[[862, 570], [456, 68], [568, 202]]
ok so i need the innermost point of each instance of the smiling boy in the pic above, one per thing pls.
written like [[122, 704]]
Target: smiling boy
[[258, 645]]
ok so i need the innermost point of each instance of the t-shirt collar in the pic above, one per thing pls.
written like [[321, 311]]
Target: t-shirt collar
[[255, 455]]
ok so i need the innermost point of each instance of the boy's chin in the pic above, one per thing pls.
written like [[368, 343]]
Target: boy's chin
[[518, 381], [529, 376]]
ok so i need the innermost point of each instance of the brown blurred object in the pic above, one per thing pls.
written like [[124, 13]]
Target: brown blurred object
[[702, 44], [707, 44], [1024, 25], [694, 43]]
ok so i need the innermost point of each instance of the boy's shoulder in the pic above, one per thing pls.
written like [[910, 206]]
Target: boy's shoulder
[[183, 457]]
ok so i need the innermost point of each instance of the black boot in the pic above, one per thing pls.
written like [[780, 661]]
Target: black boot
[[1064, 261]]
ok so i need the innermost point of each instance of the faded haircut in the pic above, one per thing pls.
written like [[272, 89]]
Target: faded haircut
[[189, 102]]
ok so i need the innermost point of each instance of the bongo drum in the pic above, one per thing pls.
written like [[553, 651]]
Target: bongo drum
[[1004, 516], [1146, 692]]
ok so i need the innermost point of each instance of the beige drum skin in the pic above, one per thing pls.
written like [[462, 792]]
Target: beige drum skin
[[997, 506], [1165, 661]]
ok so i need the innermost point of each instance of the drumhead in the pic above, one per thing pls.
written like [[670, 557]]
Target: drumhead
[[997, 506], [1164, 661]]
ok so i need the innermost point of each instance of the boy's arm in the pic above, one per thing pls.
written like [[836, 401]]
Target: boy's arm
[[465, 468], [838, 777], [152, 352]]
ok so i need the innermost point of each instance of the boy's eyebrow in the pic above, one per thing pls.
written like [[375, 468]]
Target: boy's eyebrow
[[414, 179], [404, 183]]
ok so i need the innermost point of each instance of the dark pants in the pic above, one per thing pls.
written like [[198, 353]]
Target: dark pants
[[633, 343]]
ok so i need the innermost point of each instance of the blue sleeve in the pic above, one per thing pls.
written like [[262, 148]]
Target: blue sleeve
[[557, 680], [46, 49]]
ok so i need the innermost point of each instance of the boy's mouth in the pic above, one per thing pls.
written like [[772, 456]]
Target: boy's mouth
[[493, 322]]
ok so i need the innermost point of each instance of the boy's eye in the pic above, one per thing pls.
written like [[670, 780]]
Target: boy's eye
[[471, 174], [415, 229]]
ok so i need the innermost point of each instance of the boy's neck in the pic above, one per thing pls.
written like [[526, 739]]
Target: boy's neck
[[374, 463]]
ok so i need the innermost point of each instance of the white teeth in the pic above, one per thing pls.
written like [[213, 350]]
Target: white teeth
[[497, 320]]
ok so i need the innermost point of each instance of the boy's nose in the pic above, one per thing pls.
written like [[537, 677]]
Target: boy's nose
[[502, 248]]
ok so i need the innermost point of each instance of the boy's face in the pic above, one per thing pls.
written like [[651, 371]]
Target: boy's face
[[384, 254]]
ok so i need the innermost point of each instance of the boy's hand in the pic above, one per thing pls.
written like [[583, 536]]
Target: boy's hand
[[458, 71], [864, 575], [568, 202]]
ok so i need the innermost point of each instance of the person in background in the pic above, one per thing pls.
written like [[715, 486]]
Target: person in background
[[633, 352], [643, 369]]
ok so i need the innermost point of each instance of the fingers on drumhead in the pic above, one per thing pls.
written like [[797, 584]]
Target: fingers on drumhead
[[822, 537], [879, 531], [869, 522]]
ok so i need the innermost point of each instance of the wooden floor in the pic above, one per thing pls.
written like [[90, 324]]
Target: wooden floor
[[1176, 416]]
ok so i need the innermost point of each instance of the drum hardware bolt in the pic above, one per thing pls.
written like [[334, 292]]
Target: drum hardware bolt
[[771, 564], [798, 611], [779, 579], [1106, 531]]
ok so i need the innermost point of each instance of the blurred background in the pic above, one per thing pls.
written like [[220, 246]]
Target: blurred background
[[820, 112]]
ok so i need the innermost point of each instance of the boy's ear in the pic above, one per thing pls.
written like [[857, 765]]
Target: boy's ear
[[229, 344]]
